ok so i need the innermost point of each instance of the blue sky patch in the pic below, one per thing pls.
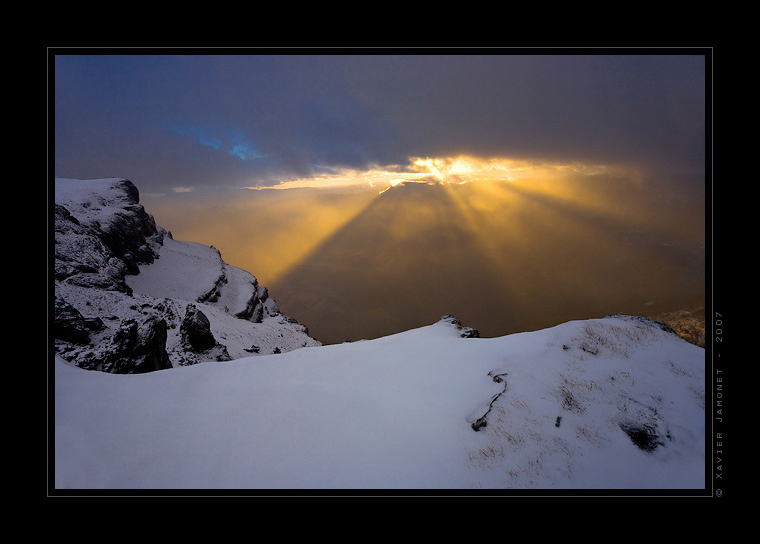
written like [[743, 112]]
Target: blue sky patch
[[231, 141]]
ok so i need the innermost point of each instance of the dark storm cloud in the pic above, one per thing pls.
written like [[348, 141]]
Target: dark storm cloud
[[207, 119], [239, 120], [595, 107]]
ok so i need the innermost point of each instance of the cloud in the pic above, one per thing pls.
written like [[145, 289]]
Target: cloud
[[244, 151], [253, 120], [227, 140]]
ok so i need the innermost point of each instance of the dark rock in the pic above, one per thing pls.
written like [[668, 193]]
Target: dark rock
[[256, 312], [448, 318], [150, 354], [469, 332], [253, 310], [644, 436], [127, 234], [195, 329], [81, 257], [479, 424], [130, 190], [136, 349], [465, 332], [216, 291], [70, 325], [258, 305]]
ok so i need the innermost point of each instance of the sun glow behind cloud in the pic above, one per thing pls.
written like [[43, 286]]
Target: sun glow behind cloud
[[462, 169], [344, 177], [443, 170]]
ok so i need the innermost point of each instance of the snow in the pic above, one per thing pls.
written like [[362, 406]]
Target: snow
[[184, 261], [396, 413], [188, 271], [91, 197]]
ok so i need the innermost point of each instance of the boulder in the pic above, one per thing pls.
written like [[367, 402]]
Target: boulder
[[70, 325], [464, 332], [195, 330], [138, 348]]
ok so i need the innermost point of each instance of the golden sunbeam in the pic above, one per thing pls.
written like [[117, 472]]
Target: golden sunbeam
[[265, 233], [508, 245]]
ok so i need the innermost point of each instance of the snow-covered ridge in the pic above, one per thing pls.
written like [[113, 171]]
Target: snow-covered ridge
[[613, 403], [122, 283]]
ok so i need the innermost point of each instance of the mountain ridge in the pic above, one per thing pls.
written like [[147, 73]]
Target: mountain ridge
[[123, 287]]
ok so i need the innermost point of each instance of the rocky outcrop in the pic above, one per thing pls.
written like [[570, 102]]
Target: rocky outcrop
[[464, 332], [119, 305], [196, 335], [195, 332], [138, 348], [260, 306], [70, 325], [103, 236], [196, 329], [126, 236], [81, 257]]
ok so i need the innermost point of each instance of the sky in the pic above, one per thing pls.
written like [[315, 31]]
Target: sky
[[284, 162], [225, 121]]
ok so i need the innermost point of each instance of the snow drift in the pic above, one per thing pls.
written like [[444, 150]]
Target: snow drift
[[613, 403]]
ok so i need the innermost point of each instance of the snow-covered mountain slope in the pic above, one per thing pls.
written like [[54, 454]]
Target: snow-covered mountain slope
[[617, 402], [125, 291]]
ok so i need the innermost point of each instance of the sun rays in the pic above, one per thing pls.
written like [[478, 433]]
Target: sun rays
[[527, 243], [491, 196]]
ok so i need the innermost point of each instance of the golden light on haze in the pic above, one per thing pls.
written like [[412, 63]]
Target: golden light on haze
[[460, 169], [265, 233], [345, 177], [507, 245]]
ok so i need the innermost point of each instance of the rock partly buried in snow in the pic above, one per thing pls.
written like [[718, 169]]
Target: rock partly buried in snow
[[465, 332], [195, 332], [72, 326], [138, 348], [117, 273]]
